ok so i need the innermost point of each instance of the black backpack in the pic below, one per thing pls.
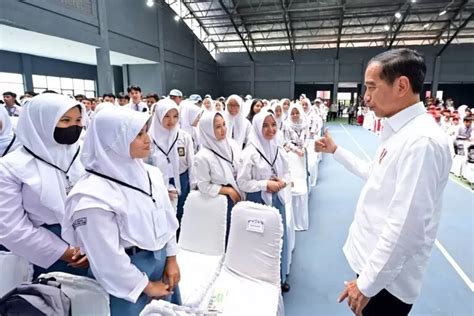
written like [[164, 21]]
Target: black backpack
[[40, 298]]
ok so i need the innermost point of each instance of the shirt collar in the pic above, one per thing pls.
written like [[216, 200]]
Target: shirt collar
[[400, 119]]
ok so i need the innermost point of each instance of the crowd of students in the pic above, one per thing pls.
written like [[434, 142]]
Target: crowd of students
[[98, 188]]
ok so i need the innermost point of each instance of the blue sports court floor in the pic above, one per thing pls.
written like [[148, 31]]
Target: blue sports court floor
[[319, 267]]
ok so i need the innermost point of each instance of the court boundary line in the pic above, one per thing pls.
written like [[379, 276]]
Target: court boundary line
[[437, 243]]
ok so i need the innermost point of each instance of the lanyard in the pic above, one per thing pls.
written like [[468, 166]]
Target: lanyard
[[231, 161], [54, 166], [268, 162], [172, 145], [9, 146], [126, 184]]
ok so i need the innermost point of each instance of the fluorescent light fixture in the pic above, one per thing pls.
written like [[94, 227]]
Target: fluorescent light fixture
[[442, 12], [176, 18], [398, 15], [150, 3], [426, 25], [413, 1], [386, 27]]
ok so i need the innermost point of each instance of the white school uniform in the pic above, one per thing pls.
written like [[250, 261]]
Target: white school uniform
[[212, 171], [238, 127], [177, 142], [255, 170], [296, 134], [33, 192], [8, 141], [104, 218], [139, 107]]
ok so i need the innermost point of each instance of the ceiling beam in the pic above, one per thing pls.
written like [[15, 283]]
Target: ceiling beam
[[455, 34], [448, 24], [243, 24], [236, 28], [399, 27], [339, 29]]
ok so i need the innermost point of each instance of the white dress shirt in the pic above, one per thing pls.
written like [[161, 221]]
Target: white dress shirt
[[22, 214], [399, 208], [140, 107], [103, 233]]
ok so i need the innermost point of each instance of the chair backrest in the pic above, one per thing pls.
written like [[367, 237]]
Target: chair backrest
[[14, 270], [164, 308], [255, 242], [204, 223], [86, 294]]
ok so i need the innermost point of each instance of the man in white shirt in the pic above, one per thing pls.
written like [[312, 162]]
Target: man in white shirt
[[136, 103], [398, 212], [11, 104], [176, 96]]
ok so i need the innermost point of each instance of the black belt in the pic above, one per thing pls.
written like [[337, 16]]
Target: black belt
[[133, 250]]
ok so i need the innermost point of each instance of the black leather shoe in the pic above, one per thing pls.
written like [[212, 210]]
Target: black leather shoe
[[285, 287]]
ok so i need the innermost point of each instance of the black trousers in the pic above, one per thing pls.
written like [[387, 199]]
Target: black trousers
[[386, 304]]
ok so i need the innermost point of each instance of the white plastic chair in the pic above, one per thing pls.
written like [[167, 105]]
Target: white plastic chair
[[249, 283], [202, 244], [87, 296], [299, 191], [164, 308], [14, 270]]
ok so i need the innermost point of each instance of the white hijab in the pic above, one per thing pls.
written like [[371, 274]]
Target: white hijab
[[270, 150], [302, 124], [187, 111], [222, 147], [6, 131], [142, 222], [35, 131], [236, 124], [279, 120], [165, 138], [212, 107]]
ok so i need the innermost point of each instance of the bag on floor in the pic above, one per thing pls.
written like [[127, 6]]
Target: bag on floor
[[42, 297]]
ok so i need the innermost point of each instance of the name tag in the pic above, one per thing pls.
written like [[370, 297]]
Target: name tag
[[181, 151], [255, 225]]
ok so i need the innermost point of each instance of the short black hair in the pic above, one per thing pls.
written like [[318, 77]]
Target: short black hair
[[153, 95], [32, 93], [110, 95], [136, 88], [402, 62], [122, 95], [49, 91], [79, 97], [9, 93]]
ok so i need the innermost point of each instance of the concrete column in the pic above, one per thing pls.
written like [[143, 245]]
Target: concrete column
[[434, 84], [26, 69], [252, 79], [125, 78], [105, 76], [336, 81]]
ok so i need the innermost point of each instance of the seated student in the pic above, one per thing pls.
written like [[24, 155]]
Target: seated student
[[264, 173], [34, 182], [172, 152], [8, 139], [296, 130], [238, 128], [120, 214], [208, 104], [465, 131], [217, 162]]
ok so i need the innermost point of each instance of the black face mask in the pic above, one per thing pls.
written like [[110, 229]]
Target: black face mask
[[67, 135]]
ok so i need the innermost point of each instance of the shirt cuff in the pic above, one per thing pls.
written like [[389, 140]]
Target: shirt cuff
[[138, 290], [262, 185], [172, 247], [368, 288]]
